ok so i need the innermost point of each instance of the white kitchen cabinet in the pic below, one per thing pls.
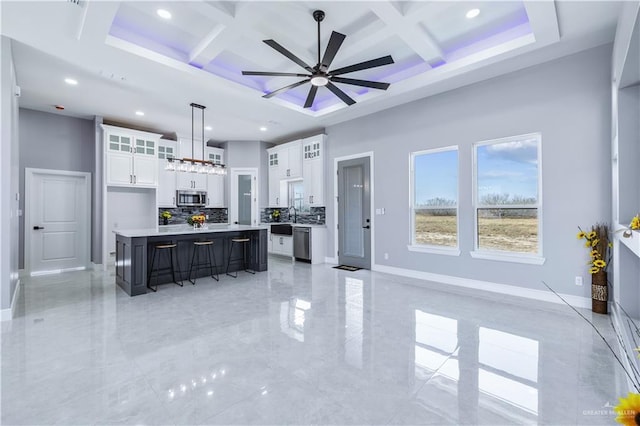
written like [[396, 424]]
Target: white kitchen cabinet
[[215, 155], [274, 188], [285, 164], [215, 191], [215, 183], [166, 194], [290, 160], [313, 165], [131, 157], [280, 244], [274, 177], [191, 181]]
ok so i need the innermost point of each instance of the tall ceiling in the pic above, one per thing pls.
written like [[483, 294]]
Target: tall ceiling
[[126, 58]]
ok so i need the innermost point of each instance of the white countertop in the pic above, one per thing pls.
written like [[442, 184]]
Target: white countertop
[[308, 225], [184, 229]]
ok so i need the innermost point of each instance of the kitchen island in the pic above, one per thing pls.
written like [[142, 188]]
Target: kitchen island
[[134, 248]]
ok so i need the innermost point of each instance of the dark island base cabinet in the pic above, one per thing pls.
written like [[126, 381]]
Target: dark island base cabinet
[[133, 257]]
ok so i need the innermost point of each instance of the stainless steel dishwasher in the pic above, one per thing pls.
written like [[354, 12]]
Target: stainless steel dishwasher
[[302, 242]]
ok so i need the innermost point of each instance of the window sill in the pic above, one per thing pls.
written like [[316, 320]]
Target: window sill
[[434, 250], [506, 257]]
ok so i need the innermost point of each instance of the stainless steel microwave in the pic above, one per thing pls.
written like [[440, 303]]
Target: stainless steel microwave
[[191, 198]]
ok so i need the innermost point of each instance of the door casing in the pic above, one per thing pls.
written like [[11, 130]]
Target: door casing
[[28, 225], [372, 204], [233, 200]]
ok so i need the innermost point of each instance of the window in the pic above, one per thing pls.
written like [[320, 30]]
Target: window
[[434, 205], [296, 195], [507, 195]]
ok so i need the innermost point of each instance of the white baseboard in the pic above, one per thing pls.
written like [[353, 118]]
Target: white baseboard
[[544, 295], [332, 260], [7, 314]]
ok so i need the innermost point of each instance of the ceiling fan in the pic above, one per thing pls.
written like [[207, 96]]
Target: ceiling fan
[[319, 75]]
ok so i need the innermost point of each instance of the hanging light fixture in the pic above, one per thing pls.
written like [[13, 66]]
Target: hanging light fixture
[[194, 165]]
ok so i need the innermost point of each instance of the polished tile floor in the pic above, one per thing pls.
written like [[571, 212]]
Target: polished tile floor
[[299, 344]]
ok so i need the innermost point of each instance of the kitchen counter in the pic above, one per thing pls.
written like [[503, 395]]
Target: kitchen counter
[[310, 225], [134, 248], [166, 230]]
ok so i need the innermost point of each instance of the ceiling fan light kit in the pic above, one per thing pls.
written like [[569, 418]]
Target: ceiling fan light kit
[[320, 75], [193, 165]]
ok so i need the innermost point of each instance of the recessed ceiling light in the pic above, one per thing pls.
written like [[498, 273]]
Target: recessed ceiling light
[[472, 13], [60, 107], [263, 129], [164, 14], [71, 81], [208, 128], [140, 113]]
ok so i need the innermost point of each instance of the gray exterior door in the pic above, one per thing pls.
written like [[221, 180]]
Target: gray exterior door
[[354, 209]]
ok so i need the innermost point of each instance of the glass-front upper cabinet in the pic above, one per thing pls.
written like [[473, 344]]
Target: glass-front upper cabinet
[[119, 143]]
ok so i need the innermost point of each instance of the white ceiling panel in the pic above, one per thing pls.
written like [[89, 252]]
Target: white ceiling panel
[[127, 57]]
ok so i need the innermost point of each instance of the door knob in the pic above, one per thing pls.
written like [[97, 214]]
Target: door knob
[[37, 228]]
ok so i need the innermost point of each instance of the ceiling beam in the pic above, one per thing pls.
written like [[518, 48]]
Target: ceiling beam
[[421, 42]]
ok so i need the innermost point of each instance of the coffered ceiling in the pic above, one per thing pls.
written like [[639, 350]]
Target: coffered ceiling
[[126, 58]]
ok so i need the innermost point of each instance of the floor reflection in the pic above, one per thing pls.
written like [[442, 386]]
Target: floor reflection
[[336, 347]]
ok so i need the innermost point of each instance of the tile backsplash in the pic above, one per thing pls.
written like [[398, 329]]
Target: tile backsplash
[[179, 215], [315, 215]]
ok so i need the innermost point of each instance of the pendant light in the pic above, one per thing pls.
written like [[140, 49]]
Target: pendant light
[[194, 165]]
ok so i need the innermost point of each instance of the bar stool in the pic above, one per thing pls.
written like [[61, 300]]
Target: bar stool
[[201, 265], [239, 240], [167, 248]]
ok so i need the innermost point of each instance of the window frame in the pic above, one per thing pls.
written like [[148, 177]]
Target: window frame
[[432, 248], [505, 255]]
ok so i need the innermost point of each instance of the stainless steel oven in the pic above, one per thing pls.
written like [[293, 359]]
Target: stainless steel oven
[[191, 198]]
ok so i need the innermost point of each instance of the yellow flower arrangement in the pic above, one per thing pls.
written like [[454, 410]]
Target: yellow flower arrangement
[[598, 241], [196, 220], [166, 215], [635, 223], [628, 409]]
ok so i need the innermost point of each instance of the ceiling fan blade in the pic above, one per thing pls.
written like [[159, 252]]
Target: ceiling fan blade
[[339, 93], [274, 44], [275, 74], [332, 48], [311, 96], [385, 60], [285, 88], [363, 83]]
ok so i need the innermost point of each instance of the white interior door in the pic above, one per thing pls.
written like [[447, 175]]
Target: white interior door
[[244, 197], [58, 218]]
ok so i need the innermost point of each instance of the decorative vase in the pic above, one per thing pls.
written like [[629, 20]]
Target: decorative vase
[[599, 292], [165, 221]]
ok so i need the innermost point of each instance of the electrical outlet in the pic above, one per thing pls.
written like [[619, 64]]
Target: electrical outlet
[[206, 217], [578, 280], [386, 256]]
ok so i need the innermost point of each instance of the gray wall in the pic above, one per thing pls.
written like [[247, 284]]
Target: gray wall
[[57, 142], [567, 100], [9, 150]]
